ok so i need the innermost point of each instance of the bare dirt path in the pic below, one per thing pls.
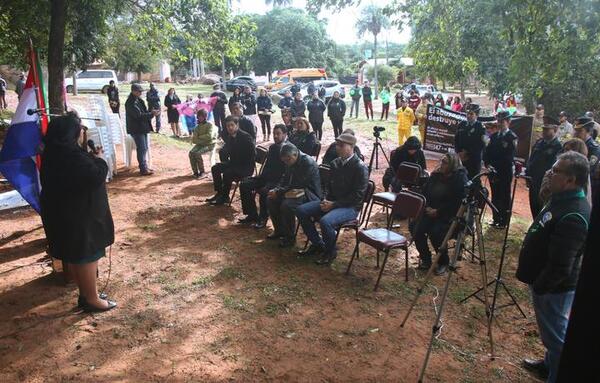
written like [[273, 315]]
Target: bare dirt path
[[203, 299]]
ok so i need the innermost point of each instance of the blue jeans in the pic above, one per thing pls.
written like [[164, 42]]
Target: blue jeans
[[354, 106], [141, 144], [328, 221], [552, 316]]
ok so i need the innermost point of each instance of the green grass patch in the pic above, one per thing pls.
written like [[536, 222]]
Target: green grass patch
[[229, 273], [172, 141], [233, 303], [202, 281]]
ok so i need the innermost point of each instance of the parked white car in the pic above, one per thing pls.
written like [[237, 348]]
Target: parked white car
[[330, 87], [92, 79]]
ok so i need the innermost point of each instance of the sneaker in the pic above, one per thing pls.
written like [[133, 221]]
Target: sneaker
[[213, 198]]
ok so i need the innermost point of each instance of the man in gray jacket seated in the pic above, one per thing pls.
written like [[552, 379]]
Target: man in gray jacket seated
[[299, 184], [346, 190]]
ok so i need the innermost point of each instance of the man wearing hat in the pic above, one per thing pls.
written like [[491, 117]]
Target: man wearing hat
[[500, 154], [137, 121], [540, 161], [538, 124], [565, 129], [469, 142], [345, 190]]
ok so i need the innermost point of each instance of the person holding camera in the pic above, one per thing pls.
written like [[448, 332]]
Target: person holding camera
[[411, 152], [500, 154], [469, 142], [137, 121], [346, 190], [264, 106], [316, 108], [443, 191], [336, 109], [113, 97], [299, 184], [74, 207]]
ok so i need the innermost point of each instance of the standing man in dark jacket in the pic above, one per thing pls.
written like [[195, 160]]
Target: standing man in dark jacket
[[584, 129], [238, 164], [268, 178], [355, 96], [113, 97], [540, 161], [137, 121], [345, 194], [336, 109], [286, 102], [316, 107], [219, 109], [298, 107], [153, 99], [469, 142], [500, 154], [550, 258], [299, 184], [249, 105], [367, 94]]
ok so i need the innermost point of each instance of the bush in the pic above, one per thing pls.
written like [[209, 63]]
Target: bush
[[385, 74]]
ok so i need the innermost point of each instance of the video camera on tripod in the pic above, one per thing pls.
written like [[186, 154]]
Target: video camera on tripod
[[377, 131]]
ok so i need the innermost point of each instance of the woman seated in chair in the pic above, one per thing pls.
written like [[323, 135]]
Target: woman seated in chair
[[444, 191], [409, 152], [302, 137]]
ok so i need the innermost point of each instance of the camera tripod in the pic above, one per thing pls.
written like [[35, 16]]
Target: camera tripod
[[498, 281], [467, 222], [375, 152]]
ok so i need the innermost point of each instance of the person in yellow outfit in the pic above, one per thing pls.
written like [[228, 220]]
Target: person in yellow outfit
[[406, 117], [421, 113]]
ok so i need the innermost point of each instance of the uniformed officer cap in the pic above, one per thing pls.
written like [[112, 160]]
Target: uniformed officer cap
[[584, 123], [551, 121], [503, 115]]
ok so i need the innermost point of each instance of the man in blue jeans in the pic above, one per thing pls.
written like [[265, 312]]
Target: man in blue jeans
[[344, 191], [137, 121], [550, 258]]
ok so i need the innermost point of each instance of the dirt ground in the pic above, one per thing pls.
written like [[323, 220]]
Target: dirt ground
[[204, 299]]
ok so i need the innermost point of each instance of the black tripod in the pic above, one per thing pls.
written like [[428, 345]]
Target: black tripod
[[466, 217], [498, 281], [375, 152]]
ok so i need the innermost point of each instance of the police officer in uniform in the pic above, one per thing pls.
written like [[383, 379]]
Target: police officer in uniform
[[584, 129], [469, 142], [500, 154], [540, 161]]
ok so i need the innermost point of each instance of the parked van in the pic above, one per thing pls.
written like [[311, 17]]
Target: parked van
[[92, 79], [287, 77]]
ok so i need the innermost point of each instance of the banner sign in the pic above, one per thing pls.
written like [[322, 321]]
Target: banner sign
[[442, 125]]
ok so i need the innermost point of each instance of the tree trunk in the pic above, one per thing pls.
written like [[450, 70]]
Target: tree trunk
[[375, 67], [462, 91], [386, 51], [56, 43], [223, 71], [139, 76]]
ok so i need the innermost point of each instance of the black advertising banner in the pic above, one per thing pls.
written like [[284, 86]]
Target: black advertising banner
[[442, 125]]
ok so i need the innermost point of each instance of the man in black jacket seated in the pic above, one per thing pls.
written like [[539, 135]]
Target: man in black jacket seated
[[245, 124], [238, 164], [331, 152], [345, 194], [550, 258], [270, 175], [541, 159], [443, 192], [137, 121], [409, 152], [299, 184]]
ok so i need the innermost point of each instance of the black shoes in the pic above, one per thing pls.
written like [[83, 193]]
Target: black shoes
[[213, 198], [424, 266], [87, 308], [220, 200], [247, 220], [441, 270], [81, 300], [261, 223], [274, 236], [497, 225], [287, 242], [537, 367], [326, 259], [312, 250]]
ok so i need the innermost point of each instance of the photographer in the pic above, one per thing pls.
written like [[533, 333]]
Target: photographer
[[412, 152], [137, 120], [443, 192], [113, 97], [74, 207]]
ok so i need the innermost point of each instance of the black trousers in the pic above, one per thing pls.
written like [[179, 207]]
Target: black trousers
[[535, 205], [249, 188], [265, 124], [500, 186], [317, 128], [473, 166], [337, 127], [283, 214], [223, 176], [219, 116], [433, 229], [385, 109]]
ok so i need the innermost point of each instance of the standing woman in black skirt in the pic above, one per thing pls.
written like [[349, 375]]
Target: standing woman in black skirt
[[171, 99], [74, 207]]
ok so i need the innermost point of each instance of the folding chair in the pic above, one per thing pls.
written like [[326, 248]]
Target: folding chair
[[408, 204], [315, 153], [408, 173], [260, 159]]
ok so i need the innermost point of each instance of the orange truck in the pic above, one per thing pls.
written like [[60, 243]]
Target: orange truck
[[287, 77]]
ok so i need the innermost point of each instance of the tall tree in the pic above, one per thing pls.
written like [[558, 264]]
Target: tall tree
[[372, 20]]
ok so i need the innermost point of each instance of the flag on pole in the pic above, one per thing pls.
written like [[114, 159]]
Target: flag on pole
[[20, 154]]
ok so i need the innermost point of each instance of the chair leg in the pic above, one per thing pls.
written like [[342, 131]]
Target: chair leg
[[356, 237], [233, 194], [354, 254], [369, 215], [377, 259], [382, 268], [406, 265], [297, 230]]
